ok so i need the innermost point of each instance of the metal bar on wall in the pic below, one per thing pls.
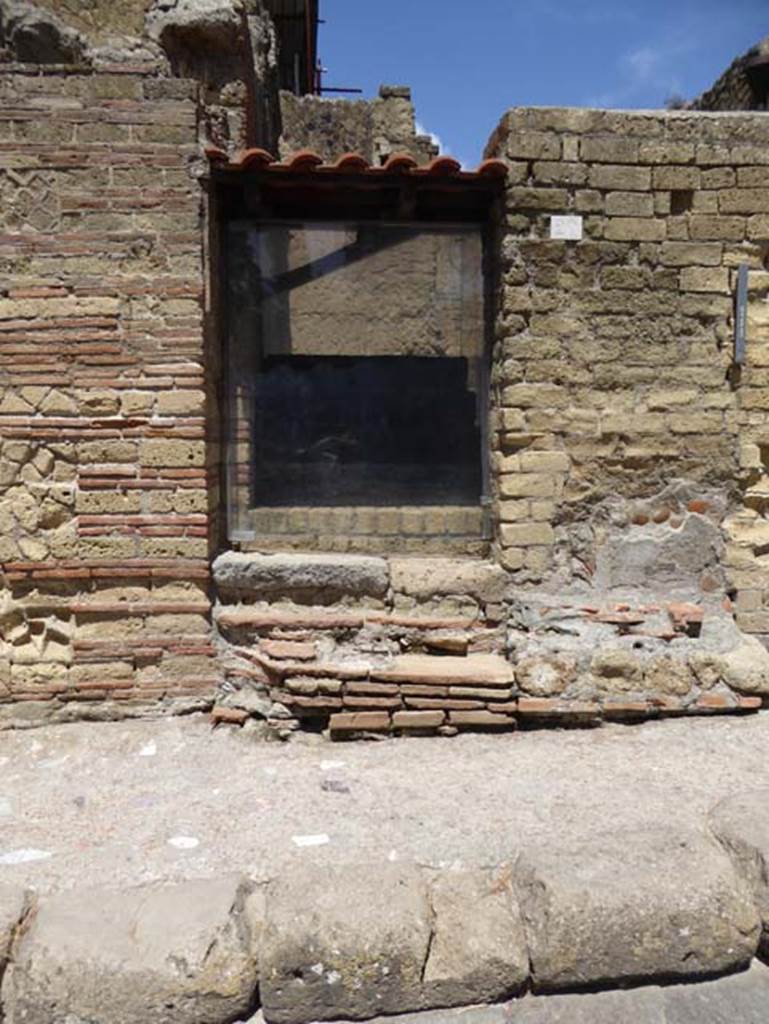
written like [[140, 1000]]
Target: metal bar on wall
[[740, 314]]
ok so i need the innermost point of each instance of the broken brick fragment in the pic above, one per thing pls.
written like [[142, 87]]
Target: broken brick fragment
[[231, 716]]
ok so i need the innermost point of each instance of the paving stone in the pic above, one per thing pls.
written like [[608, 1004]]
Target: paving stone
[[633, 905], [180, 954], [324, 578], [478, 952], [736, 999], [388, 938], [345, 941], [741, 823]]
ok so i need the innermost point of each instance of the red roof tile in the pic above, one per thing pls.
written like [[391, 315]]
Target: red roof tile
[[306, 161]]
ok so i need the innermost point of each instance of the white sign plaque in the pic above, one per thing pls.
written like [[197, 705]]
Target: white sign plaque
[[569, 228]]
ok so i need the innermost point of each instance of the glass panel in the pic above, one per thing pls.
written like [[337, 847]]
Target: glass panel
[[354, 366]]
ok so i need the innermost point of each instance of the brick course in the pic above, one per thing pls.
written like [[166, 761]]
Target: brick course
[[104, 501]]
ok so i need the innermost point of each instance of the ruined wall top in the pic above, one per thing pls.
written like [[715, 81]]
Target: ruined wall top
[[76, 31], [374, 128], [232, 48], [738, 88]]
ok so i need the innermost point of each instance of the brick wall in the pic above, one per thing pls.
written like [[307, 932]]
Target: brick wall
[[613, 375], [103, 495], [618, 419]]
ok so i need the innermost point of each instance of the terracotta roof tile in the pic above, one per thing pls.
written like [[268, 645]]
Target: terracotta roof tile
[[306, 161]]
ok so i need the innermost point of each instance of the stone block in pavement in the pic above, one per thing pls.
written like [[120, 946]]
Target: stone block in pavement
[[310, 577], [740, 998], [364, 940], [12, 904], [155, 954], [344, 941], [478, 951], [741, 824], [632, 906]]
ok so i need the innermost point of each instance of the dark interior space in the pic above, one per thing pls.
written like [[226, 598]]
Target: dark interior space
[[365, 431]]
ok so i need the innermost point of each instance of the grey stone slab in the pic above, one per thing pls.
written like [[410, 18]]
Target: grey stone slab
[[652, 557], [180, 954], [346, 941], [639, 1006], [736, 999], [625, 906], [319, 578], [499, 1014], [741, 823]]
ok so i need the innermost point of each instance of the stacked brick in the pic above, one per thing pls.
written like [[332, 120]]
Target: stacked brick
[[613, 364], [426, 645], [343, 669], [104, 487]]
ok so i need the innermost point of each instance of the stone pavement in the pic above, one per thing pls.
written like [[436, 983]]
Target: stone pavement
[[164, 872]]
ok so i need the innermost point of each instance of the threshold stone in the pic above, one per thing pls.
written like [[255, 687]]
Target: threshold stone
[[320, 577]]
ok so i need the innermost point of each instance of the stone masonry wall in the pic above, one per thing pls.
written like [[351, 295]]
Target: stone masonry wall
[[373, 128], [631, 449], [103, 489], [631, 456]]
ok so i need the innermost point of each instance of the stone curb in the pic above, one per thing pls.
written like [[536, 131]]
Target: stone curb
[[741, 825], [738, 999], [360, 941]]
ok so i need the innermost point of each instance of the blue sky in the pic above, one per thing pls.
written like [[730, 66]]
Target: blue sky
[[467, 62]]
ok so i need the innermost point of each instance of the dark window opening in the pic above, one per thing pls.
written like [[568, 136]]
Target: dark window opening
[[356, 368], [381, 430], [356, 308], [296, 25]]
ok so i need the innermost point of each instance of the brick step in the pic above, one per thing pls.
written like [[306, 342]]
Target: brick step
[[257, 619], [484, 674], [474, 670]]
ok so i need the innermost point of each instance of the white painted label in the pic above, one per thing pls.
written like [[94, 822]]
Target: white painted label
[[569, 228]]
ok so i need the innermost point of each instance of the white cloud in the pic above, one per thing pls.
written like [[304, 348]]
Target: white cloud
[[437, 141], [644, 63], [443, 149], [645, 70]]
